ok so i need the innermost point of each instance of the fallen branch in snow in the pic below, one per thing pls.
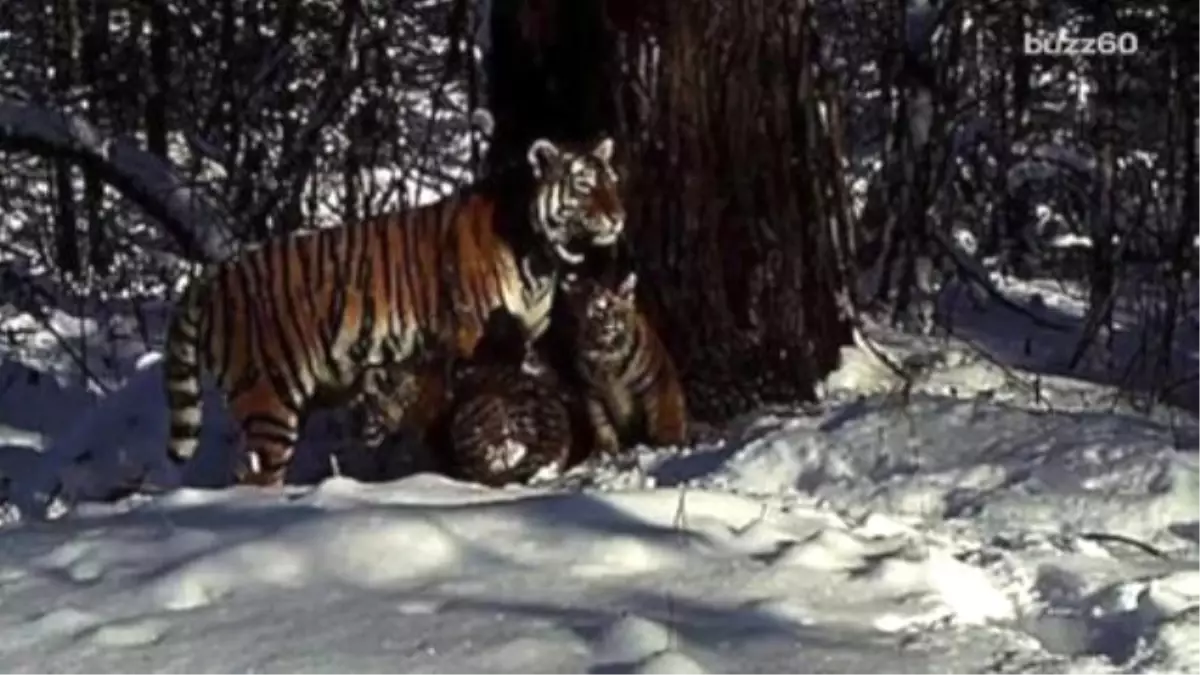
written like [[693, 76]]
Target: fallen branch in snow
[[973, 272], [1189, 613], [845, 299], [199, 228], [1107, 537]]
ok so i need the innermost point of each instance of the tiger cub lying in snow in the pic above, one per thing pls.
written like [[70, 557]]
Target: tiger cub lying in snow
[[506, 417]]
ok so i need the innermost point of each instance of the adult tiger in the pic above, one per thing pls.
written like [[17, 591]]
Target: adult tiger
[[308, 314]]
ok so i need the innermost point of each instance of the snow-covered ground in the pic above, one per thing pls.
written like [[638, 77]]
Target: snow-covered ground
[[992, 521]]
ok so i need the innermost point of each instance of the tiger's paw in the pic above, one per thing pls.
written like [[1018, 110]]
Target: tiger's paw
[[607, 444], [260, 479], [252, 473]]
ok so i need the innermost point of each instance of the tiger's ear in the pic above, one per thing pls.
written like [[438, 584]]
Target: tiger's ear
[[628, 287], [604, 150], [543, 157]]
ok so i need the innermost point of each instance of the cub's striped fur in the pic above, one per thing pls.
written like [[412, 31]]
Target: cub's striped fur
[[506, 425], [302, 317], [380, 406], [633, 389], [391, 400], [497, 418]]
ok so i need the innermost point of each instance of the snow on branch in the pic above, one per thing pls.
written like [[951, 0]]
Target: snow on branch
[[197, 225]]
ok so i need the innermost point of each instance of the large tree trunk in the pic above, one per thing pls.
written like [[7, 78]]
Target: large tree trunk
[[734, 182]]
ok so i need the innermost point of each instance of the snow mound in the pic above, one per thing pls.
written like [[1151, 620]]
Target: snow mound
[[652, 568], [975, 519]]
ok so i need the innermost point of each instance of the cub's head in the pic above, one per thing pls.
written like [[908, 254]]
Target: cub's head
[[577, 201], [606, 318]]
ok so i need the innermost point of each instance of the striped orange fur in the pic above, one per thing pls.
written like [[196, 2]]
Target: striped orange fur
[[303, 317], [499, 417], [633, 391], [505, 424]]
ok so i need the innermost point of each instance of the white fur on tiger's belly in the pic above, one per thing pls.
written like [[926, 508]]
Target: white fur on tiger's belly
[[505, 455], [546, 473]]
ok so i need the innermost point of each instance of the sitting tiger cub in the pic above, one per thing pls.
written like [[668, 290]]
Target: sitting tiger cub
[[633, 392]]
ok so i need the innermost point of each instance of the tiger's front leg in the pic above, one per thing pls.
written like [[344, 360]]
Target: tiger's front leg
[[605, 439]]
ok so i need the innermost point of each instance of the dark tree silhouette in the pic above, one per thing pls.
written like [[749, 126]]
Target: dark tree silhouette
[[734, 189], [551, 72]]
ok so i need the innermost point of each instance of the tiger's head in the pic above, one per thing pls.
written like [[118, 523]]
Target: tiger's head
[[606, 318], [577, 200]]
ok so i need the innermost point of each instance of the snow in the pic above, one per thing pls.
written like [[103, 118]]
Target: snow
[[975, 523]]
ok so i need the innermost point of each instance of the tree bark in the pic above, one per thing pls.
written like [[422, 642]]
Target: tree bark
[[733, 179]]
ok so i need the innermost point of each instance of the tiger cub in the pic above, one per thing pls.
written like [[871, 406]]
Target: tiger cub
[[372, 443], [498, 418], [633, 392], [508, 423]]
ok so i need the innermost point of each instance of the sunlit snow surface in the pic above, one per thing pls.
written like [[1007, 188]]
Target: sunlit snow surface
[[982, 525]]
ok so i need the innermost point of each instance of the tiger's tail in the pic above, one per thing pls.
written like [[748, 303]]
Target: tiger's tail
[[181, 365], [666, 404]]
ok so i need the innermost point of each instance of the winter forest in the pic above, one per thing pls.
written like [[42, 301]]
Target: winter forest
[[922, 273]]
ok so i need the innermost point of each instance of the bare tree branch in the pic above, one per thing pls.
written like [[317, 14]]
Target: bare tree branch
[[195, 224]]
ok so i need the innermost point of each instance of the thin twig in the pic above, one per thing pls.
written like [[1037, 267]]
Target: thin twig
[[1108, 537]]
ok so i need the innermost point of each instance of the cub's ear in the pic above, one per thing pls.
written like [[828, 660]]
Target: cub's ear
[[628, 286], [543, 157], [604, 150]]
